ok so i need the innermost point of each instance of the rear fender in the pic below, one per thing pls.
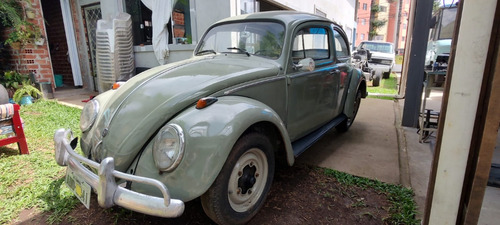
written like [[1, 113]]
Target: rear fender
[[210, 134], [357, 82]]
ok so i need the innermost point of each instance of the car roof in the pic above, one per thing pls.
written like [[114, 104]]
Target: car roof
[[287, 17]]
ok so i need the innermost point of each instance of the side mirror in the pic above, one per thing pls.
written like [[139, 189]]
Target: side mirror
[[306, 64], [368, 55]]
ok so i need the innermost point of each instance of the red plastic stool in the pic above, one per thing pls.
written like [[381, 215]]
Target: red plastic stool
[[10, 124]]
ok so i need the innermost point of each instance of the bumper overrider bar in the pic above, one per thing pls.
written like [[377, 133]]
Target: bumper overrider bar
[[108, 192]]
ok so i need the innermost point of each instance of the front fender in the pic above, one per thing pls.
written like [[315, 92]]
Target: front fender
[[356, 83], [210, 134]]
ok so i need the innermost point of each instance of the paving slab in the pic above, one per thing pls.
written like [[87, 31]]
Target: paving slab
[[369, 149], [420, 162], [73, 96]]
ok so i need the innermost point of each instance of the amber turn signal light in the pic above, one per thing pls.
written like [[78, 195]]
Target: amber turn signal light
[[204, 102], [117, 85]]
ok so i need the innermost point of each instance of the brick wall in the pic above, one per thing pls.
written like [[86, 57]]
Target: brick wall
[[34, 58]]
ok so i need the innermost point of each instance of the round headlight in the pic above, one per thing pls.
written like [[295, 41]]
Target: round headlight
[[89, 114], [168, 147]]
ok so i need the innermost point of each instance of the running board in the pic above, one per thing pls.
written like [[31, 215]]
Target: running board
[[304, 143]]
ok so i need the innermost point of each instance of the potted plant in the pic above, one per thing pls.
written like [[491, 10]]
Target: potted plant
[[24, 94], [12, 80]]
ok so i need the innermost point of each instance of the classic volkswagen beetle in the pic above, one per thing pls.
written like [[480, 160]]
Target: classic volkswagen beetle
[[260, 89]]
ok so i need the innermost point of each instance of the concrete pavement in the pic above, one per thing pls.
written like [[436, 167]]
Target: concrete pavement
[[73, 96], [368, 149]]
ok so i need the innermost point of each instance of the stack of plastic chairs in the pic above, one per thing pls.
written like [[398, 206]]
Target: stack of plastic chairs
[[114, 51]]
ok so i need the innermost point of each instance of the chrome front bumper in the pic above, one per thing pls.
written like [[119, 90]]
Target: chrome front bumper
[[108, 192]]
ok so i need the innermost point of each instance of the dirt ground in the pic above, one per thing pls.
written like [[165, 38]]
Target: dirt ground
[[299, 195]]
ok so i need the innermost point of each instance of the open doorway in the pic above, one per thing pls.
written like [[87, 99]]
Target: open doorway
[[58, 45]]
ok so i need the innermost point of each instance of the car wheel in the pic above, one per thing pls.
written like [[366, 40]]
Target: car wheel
[[386, 75], [376, 81], [346, 124], [241, 187]]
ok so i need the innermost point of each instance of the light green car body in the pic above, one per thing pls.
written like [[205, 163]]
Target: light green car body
[[253, 93]]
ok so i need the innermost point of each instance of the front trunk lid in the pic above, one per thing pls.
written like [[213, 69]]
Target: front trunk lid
[[135, 112]]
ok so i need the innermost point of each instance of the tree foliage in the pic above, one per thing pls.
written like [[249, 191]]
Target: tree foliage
[[435, 6]]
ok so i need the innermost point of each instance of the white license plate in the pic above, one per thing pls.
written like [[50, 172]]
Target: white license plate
[[79, 187]]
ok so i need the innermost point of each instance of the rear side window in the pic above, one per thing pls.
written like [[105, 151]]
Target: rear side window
[[341, 49], [311, 42]]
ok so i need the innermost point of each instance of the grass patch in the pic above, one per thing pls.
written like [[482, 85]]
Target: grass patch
[[387, 87], [403, 209], [35, 180]]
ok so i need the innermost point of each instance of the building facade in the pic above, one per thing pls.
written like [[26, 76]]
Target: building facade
[[363, 19], [70, 48], [395, 13]]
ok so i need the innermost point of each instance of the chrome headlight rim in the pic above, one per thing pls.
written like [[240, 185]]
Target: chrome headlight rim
[[85, 118], [180, 151]]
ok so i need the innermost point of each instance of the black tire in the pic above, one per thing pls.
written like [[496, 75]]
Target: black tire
[[346, 124], [237, 205], [386, 75], [376, 81]]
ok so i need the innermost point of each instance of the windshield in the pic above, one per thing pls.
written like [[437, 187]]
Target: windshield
[[447, 23], [377, 47], [256, 38]]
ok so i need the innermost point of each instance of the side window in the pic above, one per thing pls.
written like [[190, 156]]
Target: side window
[[341, 49], [311, 42]]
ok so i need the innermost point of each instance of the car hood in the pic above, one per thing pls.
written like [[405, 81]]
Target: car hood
[[132, 114]]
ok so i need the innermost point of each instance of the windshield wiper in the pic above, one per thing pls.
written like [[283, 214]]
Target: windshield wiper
[[240, 50], [206, 51]]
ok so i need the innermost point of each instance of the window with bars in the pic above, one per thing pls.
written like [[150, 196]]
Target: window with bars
[[179, 27]]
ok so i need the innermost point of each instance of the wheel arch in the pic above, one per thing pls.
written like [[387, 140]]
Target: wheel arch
[[357, 82], [277, 140], [210, 135]]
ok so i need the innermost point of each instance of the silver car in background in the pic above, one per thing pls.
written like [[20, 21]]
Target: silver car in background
[[381, 61]]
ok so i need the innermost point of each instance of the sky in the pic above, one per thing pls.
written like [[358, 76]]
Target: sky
[[448, 1]]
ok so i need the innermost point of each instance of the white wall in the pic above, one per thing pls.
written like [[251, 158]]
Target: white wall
[[340, 11], [209, 12]]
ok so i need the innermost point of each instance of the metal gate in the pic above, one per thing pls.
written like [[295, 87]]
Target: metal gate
[[91, 15]]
